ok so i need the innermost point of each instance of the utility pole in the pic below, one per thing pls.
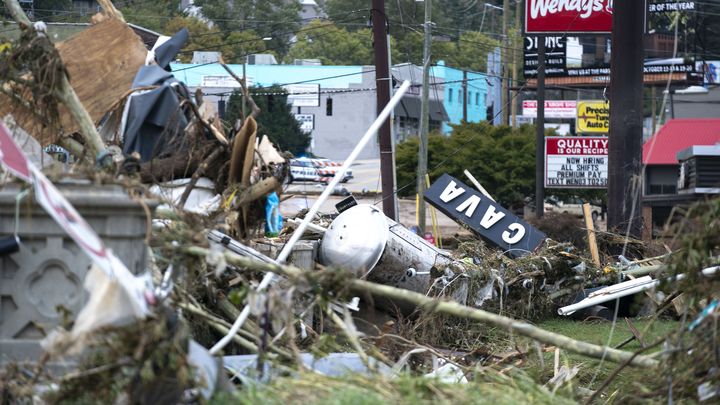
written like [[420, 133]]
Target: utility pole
[[653, 107], [626, 117], [424, 119], [504, 59], [465, 95], [515, 47], [540, 132], [382, 85]]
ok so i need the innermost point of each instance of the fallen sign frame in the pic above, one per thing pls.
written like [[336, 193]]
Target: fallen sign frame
[[485, 217]]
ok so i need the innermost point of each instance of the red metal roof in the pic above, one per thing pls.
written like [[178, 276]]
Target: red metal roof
[[677, 135]]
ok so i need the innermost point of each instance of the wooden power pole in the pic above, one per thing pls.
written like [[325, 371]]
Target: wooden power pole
[[626, 116], [382, 85], [540, 132], [465, 95], [504, 60], [424, 119], [515, 50]]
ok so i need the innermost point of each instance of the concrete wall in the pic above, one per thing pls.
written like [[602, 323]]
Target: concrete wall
[[335, 136]]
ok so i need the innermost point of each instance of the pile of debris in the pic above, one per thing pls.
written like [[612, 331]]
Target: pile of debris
[[195, 288]]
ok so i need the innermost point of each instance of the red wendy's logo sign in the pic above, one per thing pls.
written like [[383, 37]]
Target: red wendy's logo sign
[[577, 16]]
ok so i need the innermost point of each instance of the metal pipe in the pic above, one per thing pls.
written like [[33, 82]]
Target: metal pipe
[[633, 288], [269, 277]]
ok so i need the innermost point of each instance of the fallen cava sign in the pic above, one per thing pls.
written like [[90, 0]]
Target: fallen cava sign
[[485, 217]]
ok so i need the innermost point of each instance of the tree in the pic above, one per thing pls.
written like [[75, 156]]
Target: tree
[[238, 44], [275, 19], [48, 10], [332, 45], [153, 15], [202, 37], [453, 19], [500, 157], [469, 52], [276, 119]]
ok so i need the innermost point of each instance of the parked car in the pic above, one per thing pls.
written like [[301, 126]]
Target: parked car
[[306, 169], [302, 170], [573, 206]]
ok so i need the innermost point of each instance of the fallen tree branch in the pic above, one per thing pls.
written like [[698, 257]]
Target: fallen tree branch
[[243, 89], [199, 172], [214, 131], [451, 308], [257, 190]]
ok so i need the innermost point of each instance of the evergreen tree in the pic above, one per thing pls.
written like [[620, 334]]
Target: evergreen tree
[[276, 119]]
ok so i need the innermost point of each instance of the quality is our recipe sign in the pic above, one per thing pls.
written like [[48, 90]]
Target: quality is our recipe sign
[[576, 161]]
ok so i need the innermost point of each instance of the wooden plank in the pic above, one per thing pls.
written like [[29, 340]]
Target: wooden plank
[[592, 242], [635, 332], [102, 62]]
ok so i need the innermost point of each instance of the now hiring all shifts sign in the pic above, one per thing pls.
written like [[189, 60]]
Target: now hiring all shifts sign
[[485, 217]]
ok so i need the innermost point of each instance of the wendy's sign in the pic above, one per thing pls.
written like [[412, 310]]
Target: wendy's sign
[[485, 217], [568, 16]]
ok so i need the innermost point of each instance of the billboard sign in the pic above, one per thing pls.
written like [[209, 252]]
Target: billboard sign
[[553, 108], [593, 117], [669, 6], [303, 95], [223, 81], [576, 161], [555, 56], [568, 16], [485, 217]]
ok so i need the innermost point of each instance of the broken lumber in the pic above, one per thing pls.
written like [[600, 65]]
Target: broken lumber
[[592, 242], [450, 308], [66, 93], [101, 62]]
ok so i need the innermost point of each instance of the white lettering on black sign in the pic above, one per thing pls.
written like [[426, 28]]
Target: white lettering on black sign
[[485, 217]]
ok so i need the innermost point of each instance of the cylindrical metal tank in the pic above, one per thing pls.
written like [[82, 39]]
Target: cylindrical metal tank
[[363, 240]]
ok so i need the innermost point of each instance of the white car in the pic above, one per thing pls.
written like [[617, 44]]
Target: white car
[[302, 170], [573, 206]]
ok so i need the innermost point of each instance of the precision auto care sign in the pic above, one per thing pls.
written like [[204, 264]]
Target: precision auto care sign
[[485, 217], [563, 16], [576, 161], [593, 117]]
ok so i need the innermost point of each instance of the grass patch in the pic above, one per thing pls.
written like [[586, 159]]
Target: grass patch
[[489, 388], [592, 372]]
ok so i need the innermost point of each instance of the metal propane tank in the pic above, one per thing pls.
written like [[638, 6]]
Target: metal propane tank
[[376, 248]]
